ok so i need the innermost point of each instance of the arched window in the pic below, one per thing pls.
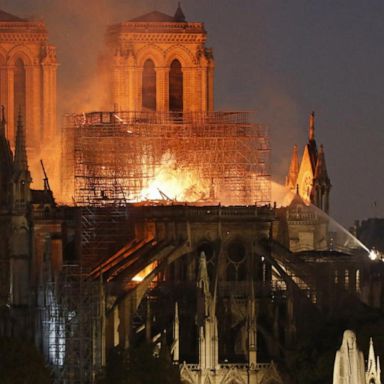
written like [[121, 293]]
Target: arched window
[[236, 262], [175, 87], [19, 91], [149, 86]]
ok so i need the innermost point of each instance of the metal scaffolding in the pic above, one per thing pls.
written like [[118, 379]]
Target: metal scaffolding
[[72, 326], [114, 156]]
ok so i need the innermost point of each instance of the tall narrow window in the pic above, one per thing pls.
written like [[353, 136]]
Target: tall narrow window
[[357, 281], [175, 87], [149, 86], [346, 279], [19, 90]]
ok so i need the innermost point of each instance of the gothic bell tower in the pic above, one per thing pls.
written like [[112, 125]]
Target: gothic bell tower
[[28, 79], [157, 62]]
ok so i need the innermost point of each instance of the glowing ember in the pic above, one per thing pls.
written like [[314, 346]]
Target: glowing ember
[[174, 182], [145, 272]]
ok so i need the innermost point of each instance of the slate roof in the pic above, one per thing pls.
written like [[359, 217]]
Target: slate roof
[[5, 16], [155, 16]]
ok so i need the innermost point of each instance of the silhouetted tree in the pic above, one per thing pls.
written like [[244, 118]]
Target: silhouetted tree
[[138, 365]]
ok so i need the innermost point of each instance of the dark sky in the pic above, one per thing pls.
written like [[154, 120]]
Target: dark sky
[[282, 58]]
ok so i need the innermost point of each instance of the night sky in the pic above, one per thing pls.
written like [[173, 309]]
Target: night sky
[[282, 58]]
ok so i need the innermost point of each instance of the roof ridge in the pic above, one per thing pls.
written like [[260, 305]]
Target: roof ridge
[[6, 16], [154, 16]]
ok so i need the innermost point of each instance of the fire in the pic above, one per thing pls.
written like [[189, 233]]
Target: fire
[[144, 272], [173, 181]]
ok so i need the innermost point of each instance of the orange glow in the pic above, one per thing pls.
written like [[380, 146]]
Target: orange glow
[[145, 272], [175, 182], [282, 195]]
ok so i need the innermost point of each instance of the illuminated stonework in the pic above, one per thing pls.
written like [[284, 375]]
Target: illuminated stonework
[[310, 180], [28, 78], [154, 59], [349, 363]]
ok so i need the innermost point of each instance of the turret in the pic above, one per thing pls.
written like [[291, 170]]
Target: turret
[[311, 133], [252, 330], [179, 14], [312, 146], [378, 370], [6, 166], [372, 375], [206, 319], [321, 183], [293, 170], [21, 175], [176, 335]]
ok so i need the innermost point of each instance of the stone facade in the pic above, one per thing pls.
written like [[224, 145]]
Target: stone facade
[[141, 55], [28, 79], [309, 178]]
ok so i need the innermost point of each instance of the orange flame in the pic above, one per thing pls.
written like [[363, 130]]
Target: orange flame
[[145, 272], [175, 182]]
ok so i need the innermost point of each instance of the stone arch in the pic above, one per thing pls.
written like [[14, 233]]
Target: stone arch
[[19, 90], [20, 52], [176, 86], [148, 88], [180, 53], [186, 375], [3, 55], [151, 52], [236, 255], [233, 377]]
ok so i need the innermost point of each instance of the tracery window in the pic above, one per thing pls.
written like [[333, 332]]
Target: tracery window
[[19, 91], [149, 86], [236, 262], [175, 87]]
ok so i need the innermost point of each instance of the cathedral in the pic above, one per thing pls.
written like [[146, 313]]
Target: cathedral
[[168, 236], [28, 80]]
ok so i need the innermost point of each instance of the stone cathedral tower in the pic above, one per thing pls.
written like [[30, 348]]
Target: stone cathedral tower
[[158, 62], [27, 79]]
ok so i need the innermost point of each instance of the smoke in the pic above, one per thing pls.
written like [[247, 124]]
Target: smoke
[[76, 28]]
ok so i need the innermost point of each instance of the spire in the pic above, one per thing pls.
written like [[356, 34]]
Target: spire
[[206, 319], [293, 169], [21, 162], [321, 183], [176, 335], [179, 14], [312, 126], [21, 176], [321, 168], [371, 358], [203, 278], [252, 330]]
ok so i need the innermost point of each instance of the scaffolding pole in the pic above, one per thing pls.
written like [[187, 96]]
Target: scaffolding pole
[[111, 157], [72, 323]]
